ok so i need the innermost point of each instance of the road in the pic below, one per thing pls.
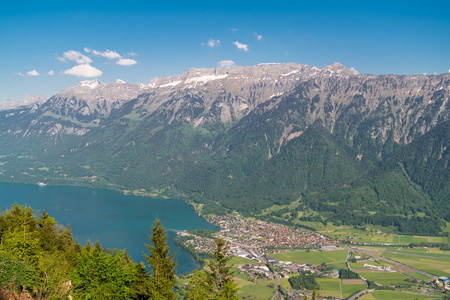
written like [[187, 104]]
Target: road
[[277, 294], [366, 290]]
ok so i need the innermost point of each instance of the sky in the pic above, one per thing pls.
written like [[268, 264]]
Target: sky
[[47, 46]]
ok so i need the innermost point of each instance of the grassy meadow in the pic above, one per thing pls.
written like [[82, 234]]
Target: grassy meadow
[[385, 278], [433, 266], [394, 295], [262, 289], [336, 258]]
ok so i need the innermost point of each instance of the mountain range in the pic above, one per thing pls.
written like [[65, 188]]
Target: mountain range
[[245, 138]]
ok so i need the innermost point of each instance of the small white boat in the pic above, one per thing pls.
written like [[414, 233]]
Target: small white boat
[[42, 184]]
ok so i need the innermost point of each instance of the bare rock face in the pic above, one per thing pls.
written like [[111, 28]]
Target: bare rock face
[[228, 94], [288, 97]]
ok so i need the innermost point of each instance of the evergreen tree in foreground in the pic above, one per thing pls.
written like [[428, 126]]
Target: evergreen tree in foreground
[[220, 276], [163, 280], [216, 283]]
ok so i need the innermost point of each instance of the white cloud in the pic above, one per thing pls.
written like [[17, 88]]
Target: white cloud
[[87, 50], [233, 29], [20, 74], [109, 54], [75, 56], [51, 73], [84, 70], [259, 37], [225, 63], [131, 53], [241, 46], [32, 73], [126, 62], [213, 43]]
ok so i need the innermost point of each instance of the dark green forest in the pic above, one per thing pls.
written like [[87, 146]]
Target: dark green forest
[[306, 280]]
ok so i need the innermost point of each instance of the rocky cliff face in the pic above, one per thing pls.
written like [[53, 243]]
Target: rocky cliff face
[[342, 98], [238, 118], [227, 93], [358, 108]]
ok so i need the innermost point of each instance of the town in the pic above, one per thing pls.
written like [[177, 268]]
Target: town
[[266, 236], [278, 260]]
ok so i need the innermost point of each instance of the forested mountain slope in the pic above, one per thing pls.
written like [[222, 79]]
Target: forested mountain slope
[[247, 137]]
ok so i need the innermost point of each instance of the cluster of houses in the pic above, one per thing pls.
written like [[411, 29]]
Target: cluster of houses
[[256, 233], [287, 267], [256, 271], [299, 295], [201, 244]]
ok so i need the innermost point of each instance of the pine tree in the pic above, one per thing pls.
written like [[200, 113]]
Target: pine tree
[[220, 277], [199, 287], [47, 234], [163, 265]]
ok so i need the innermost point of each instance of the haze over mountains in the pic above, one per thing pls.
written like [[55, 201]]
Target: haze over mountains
[[29, 99], [246, 137]]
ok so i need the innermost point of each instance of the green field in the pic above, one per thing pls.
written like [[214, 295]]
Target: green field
[[384, 278], [241, 276], [285, 283], [263, 289], [181, 282], [329, 286], [332, 287], [350, 289], [371, 234], [404, 239], [419, 276], [336, 258], [432, 252], [394, 295], [434, 266], [443, 254]]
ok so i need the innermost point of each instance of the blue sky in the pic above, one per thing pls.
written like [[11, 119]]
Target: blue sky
[[149, 39]]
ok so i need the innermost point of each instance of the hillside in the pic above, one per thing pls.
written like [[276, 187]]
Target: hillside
[[244, 138]]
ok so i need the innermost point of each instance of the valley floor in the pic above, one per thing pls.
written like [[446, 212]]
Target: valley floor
[[267, 254]]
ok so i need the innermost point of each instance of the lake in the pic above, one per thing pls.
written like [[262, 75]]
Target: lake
[[119, 221]]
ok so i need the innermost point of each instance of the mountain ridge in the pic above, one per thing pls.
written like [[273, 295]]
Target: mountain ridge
[[206, 134]]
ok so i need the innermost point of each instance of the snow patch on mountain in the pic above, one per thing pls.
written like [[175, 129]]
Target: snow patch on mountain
[[204, 79], [171, 84], [92, 84]]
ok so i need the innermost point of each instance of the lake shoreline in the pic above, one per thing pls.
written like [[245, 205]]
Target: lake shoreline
[[119, 221]]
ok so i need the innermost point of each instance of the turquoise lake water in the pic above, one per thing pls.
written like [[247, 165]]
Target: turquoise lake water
[[119, 221]]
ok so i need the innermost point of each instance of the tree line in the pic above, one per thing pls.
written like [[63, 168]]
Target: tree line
[[40, 256]]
